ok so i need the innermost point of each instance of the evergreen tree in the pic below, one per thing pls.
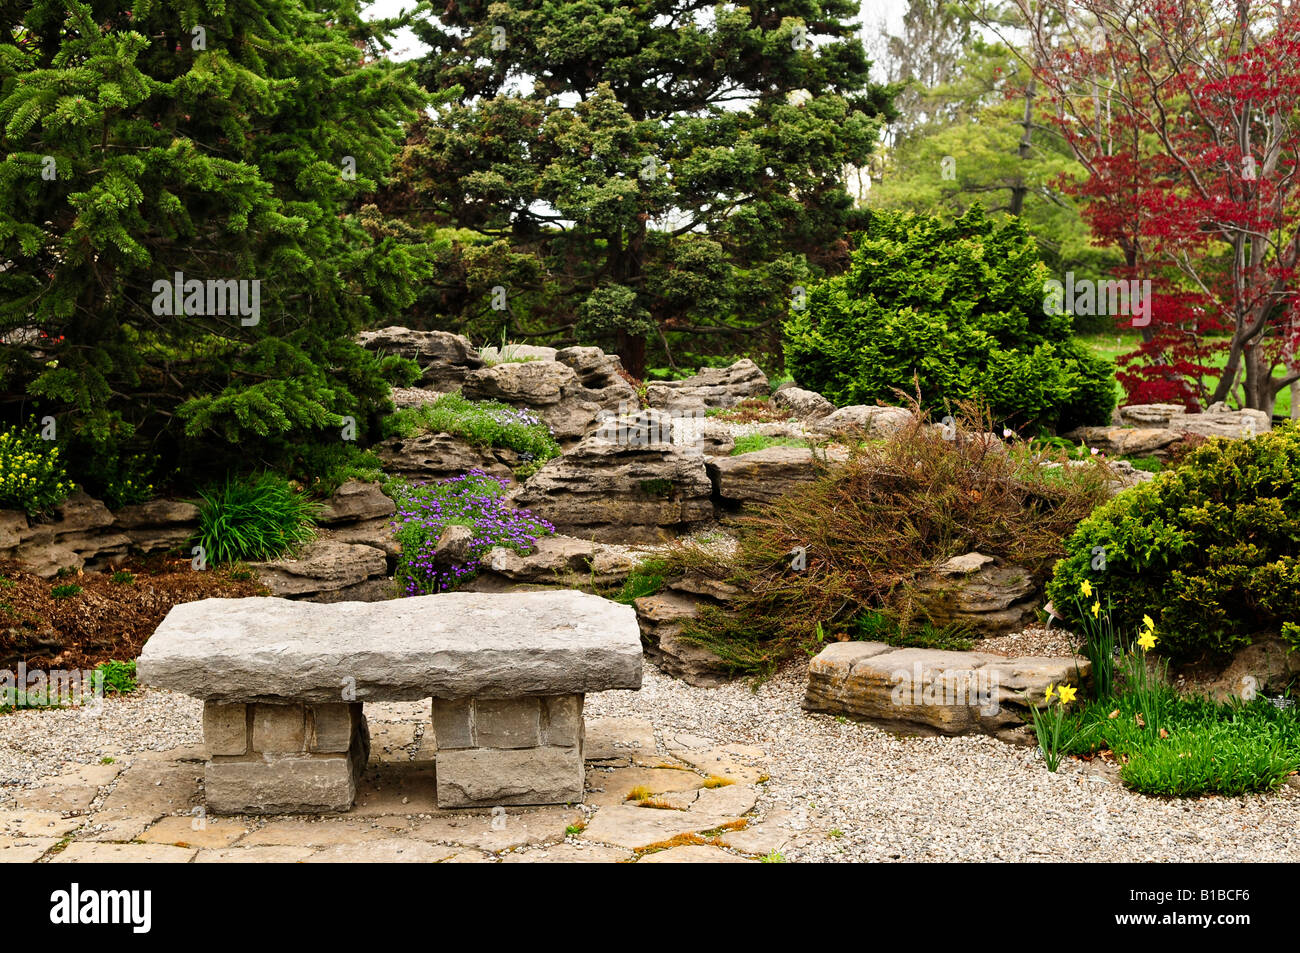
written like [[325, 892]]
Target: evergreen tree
[[196, 142], [624, 170]]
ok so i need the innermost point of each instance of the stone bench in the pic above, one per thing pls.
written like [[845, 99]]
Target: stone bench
[[283, 682]]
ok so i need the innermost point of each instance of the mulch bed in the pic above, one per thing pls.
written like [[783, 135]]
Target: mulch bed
[[106, 619]]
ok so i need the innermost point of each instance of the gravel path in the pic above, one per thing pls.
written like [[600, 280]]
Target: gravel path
[[875, 796]]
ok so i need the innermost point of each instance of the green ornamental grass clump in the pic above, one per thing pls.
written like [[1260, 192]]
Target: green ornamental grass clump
[[253, 518], [1211, 549], [954, 309]]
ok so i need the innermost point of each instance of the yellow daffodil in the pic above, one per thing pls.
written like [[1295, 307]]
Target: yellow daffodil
[[1096, 609], [1086, 588], [1149, 623], [1067, 694], [1047, 695], [1147, 640]]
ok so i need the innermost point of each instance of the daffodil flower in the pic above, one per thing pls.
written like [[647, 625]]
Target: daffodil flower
[[1067, 694], [1096, 609], [1051, 691], [1147, 640], [1086, 588], [1149, 623]]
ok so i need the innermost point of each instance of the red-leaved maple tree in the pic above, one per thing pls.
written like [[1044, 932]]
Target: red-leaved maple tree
[[1185, 115]]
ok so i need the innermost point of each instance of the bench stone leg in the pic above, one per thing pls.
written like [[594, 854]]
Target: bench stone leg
[[505, 751], [283, 758]]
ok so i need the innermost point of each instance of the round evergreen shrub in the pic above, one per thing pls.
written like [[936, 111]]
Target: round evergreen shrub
[[1210, 550], [955, 308]]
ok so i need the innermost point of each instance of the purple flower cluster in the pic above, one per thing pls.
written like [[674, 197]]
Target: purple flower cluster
[[472, 499], [522, 417]]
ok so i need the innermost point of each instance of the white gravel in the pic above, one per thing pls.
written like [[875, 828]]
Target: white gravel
[[889, 798], [950, 799], [37, 744]]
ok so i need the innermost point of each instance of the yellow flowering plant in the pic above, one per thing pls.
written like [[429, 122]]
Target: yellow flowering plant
[[1050, 719], [32, 477]]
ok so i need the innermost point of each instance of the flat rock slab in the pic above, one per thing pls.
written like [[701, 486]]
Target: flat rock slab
[[452, 645], [932, 691]]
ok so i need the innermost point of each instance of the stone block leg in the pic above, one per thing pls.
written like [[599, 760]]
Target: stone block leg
[[283, 758], [508, 751]]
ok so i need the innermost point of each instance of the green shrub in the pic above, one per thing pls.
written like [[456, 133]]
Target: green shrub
[[123, 578], [323, 468], [956, 309], [253, 519], [748, 443], [65, 590], [119, 677], [1208, 549], [32, 477], [483, 424], [873, 626]]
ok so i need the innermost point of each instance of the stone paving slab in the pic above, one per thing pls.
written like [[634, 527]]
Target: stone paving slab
[[147, 808]]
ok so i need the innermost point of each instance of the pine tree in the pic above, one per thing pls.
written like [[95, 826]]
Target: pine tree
[[196, 141], [639, 169]]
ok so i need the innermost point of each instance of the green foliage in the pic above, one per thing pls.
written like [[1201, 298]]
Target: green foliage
[[1207, 747], [122, 578], [748, 443], [1208, 549], [646, 580], [669, 166], [483, 424], [133, 152], [875, 626], [119, 677], [954, 309], [323, 467], [32, 476], [255, 518], [65, 590]]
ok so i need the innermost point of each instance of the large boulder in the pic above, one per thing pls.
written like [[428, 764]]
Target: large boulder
[[989, 596], [79, 533], [764, 475], [712, 387], [863, 420], [933, 692], [1216, 421], [555, 390], [662, 618], [158, 525], [354, 501], [324, 565], [431, 457], [444, 358], [804, 404], [1153, 430], [619, 492]]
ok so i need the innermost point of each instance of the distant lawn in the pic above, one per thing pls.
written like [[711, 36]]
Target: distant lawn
[[1111, 345]]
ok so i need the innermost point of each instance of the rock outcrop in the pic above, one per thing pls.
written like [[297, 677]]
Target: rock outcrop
[[444, 358], [626, 493], [860, 419], [712, 387], [981, 592], [765, 475]]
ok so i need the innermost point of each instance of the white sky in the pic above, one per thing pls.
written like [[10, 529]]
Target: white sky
[[405, 46]]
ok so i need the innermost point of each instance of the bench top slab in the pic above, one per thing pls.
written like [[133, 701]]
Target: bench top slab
[[451, 645]]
